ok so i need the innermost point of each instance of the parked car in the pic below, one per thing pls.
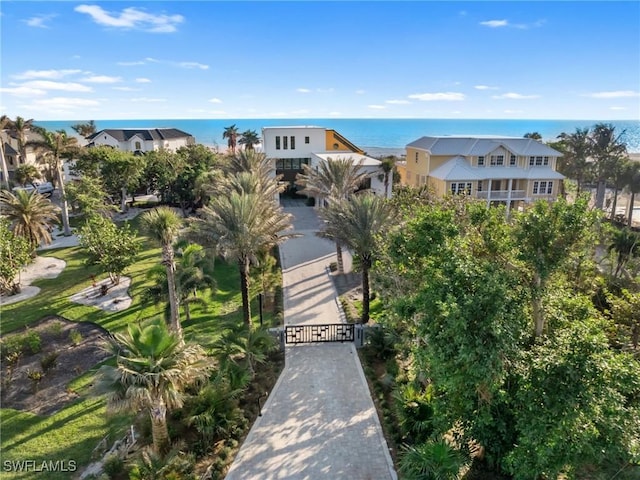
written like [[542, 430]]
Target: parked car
[[43, 188]]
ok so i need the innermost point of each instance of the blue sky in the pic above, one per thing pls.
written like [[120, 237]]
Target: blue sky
[[64, 60]]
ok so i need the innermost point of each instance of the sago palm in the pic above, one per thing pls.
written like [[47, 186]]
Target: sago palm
[[240, 225], [153, 369], [334, 179], [357, 222], [30, 215], [163, 224], [626, 243]]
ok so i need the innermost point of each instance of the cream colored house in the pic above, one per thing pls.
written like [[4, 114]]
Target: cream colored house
[[509, 170], [11, 152], [141, 140]]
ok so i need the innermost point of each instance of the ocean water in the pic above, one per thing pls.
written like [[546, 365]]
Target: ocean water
[[372, 135]]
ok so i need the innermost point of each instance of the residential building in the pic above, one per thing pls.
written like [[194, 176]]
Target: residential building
[[11, 151], [141, 140], [292, 147], [509, 170]]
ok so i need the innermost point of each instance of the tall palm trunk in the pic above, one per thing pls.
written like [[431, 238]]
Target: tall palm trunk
[[159, 429], [63, 201], [339, 257], [365, 265], [536, 306], [615, 203], [631, 204], [600, 191], [174, 302], [243, 266], [5, 169]]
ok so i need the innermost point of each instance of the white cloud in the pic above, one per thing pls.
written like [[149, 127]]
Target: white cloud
[[102, 79], [613, 94], [485, 87], [495, 23], [376, 107], [445, 96], [618, 108], [49, 85], [215, 100], [201, 66], [132, 18], [360, 92], [23, 91], [303, 90], [148, 100], [513, 111], [126, 89], [142, 80], [398, 102], [39, 21], [335, 114], [514, 96], [325, 90], [49, 74], [131, 64]]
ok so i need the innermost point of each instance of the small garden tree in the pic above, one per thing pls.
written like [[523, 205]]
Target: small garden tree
[[113, 249], [15, 253]]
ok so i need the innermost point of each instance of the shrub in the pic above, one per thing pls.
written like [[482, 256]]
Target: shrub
[[55, 328], [33, 340], [113, 465], [49, 361], [75, 336], [35, 376]]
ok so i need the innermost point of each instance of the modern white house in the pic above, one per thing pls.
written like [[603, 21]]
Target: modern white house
[[294, 146], [141, 140], [509, 170]]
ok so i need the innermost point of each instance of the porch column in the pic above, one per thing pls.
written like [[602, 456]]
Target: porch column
[[509, 196], [489, 194]]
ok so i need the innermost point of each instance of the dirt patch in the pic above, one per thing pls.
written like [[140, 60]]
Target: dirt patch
[[79, 347]]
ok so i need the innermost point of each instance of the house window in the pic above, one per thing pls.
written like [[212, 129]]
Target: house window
[[461, 188], [285, 142], [497, 160], [479, 185], [279, 164], [549, 188], [538, 161], [481, 161], [287, 163], [138, 146], [512, 160], [545, 161], [306, 139], [10, 160], [532, 161], [277, 143], [542, 188], [416, 157], [293, 143]]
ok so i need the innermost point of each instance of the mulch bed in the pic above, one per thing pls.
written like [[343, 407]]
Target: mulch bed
[[52, 393]]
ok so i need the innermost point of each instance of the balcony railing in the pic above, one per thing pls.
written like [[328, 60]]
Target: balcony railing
[[501, 194]]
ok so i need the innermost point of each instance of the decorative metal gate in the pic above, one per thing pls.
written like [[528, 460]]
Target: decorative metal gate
[[337, 332]]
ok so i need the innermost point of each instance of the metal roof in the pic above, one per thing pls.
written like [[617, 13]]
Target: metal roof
[[126, 134], [474, 146], [458, 169]]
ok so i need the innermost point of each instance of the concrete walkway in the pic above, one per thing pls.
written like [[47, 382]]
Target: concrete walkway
[[319, 421]]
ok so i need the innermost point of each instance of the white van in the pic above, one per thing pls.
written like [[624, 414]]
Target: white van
[[43, 188]]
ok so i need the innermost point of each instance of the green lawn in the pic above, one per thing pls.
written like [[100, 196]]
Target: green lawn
[[74, 432]]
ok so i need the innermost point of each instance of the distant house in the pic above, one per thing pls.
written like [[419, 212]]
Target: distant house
[[11, 150], [508, 170], [141, 140], [292, 147]]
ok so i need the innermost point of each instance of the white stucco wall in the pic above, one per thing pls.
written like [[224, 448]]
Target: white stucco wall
[[302, 150]]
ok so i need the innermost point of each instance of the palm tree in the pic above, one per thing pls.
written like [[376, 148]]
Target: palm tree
[[359, 219], [249, 138], [57, 146], [625, 243], [388, 165], [85, 130], [27, 173], [231, 134], [19, 127], [533, 135], [606, 149], [618, 175], [336, 179], [5, 122], [30, 215], [576, 148], [241, 225], [153, 368], [633, 186], [163, 225]]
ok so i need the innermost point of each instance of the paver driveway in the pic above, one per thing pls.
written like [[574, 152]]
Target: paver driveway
[[319, 421]]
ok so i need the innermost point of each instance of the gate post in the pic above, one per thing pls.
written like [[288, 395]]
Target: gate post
[[359, 335]]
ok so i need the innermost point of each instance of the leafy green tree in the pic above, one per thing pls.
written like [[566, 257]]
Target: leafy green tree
[[153, 369], [89, 195], [618, 178], [15, 253], [626, 243], [249, 138], [112, 248], [606, 149], [27, 173], [197, 161], [533, 135], [163, 225], [333, 180], [231, 134], [240, 226], [625, 310], [162, 168], [85, 130], [359, 221], [546, 234], [30, 216], [57, 146]]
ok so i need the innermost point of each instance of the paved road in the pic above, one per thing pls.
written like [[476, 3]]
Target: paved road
[[319, 421]]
